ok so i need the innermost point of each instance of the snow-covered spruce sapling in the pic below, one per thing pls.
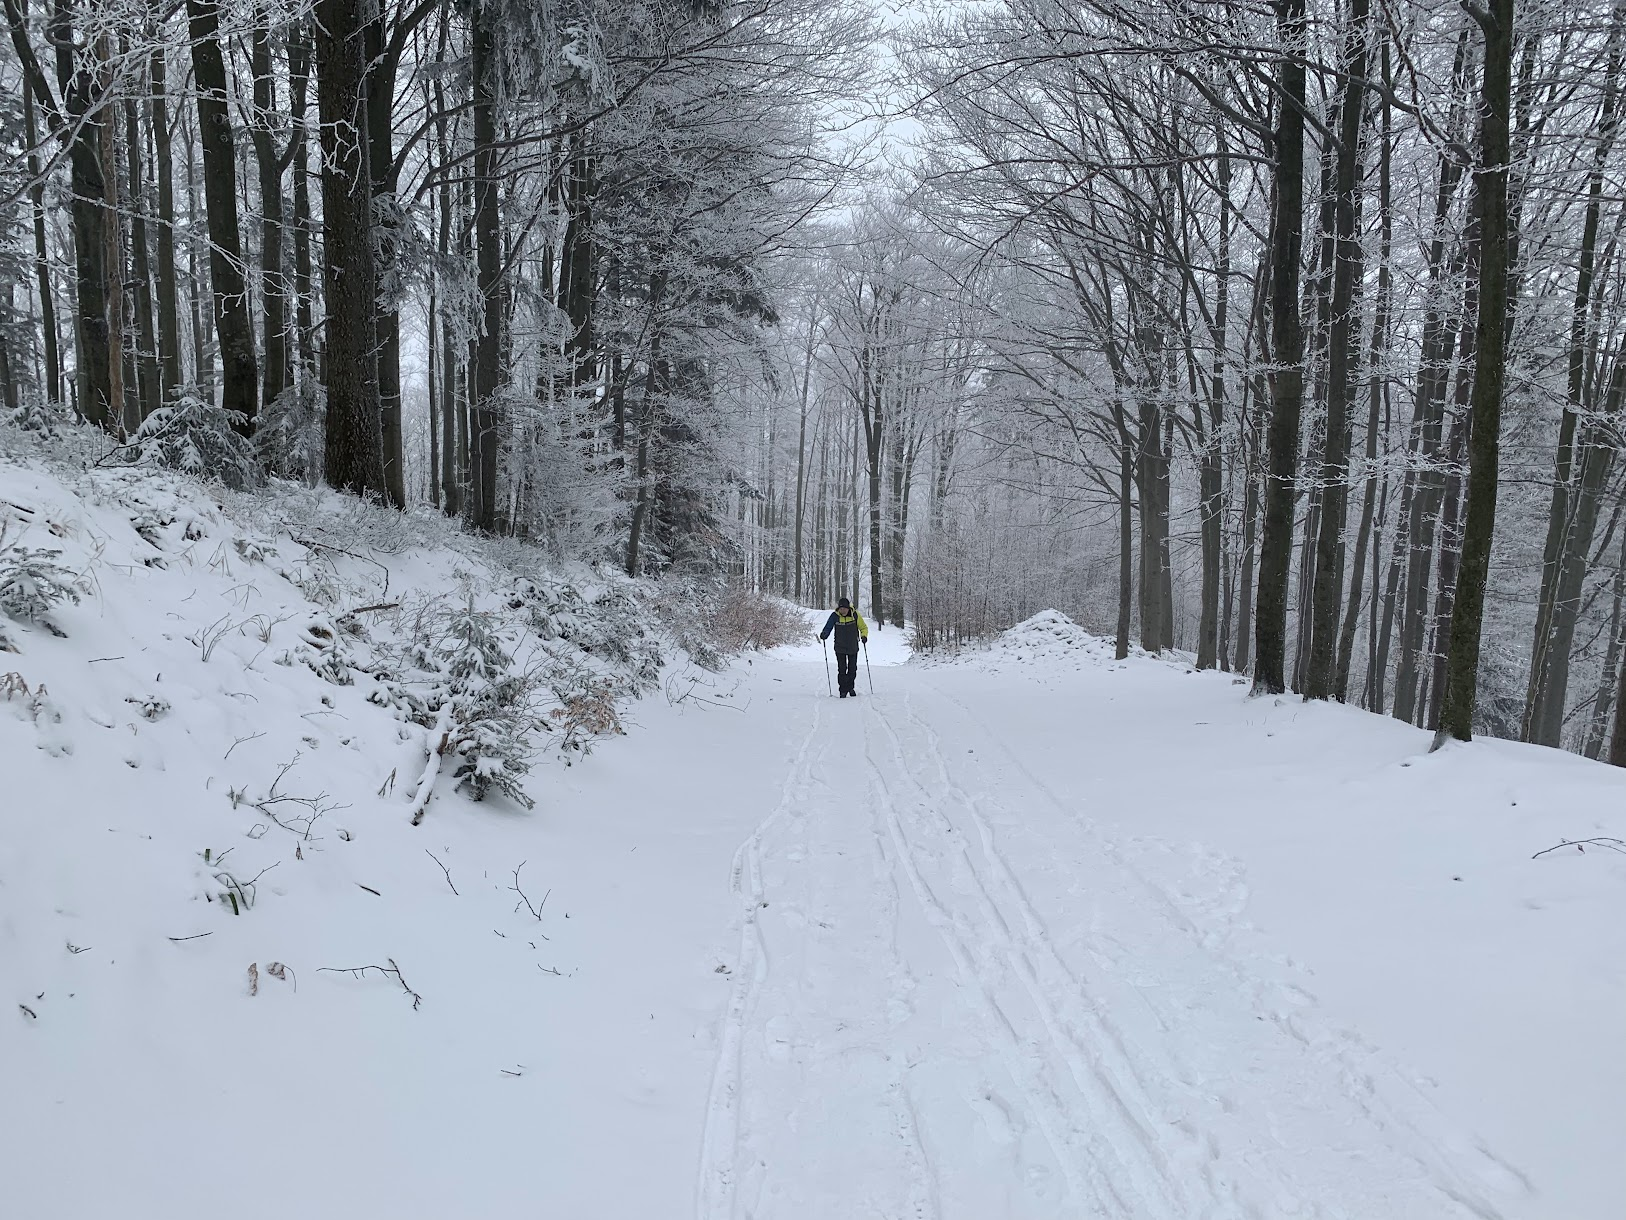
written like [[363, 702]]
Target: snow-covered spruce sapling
[[32, 582], [493, 713], [200, 438]]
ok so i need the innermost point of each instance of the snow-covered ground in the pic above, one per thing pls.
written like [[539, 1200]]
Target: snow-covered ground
[[1031, 934]]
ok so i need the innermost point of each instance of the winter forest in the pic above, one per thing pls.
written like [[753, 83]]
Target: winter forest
[[1291, 336]]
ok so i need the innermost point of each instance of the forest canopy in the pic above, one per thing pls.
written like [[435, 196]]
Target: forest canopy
[[1287, 335]]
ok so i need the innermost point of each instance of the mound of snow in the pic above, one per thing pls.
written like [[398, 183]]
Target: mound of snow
[[1052, 639]]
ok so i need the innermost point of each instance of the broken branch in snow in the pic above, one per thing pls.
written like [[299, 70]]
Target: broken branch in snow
[[240, 741], [376, 606], [274, 801], [435, 742], [443, 868], [534, 909], [392, 971], [195, 936], [1581, 845]]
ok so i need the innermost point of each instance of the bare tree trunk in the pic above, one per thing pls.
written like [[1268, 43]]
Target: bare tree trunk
[[801, 447], [1126, 532], [42, 262], [232, 323], [1250, 515], [85, 119], [653, 387], [150, 395], [1604, 700], [354, 449], [1211, 472], [1375, 399], [1286, 353], [1327, 592], [170, 373], [380, 92], [1490, 371], [1596, 459], [126, 412], [1540, 721], [489, 259], [299, 69], [278, 372]]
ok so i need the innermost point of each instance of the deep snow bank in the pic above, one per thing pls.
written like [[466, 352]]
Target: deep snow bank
[[232, 972]]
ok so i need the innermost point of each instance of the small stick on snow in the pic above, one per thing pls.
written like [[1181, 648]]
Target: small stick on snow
[[443, 868], [534, 909], [368, 610], [369, 889], [240, 741], [1581, 845], [359, 972], [197, 936]]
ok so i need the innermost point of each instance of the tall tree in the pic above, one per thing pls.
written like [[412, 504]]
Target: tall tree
[[1286, 354], [354, 456], [239, 372], [1495, 21]]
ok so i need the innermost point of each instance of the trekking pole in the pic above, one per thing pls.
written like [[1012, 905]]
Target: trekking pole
[[867, 671], [827, 689]]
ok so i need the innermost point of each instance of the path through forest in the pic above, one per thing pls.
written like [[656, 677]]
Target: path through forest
[[962, 991]]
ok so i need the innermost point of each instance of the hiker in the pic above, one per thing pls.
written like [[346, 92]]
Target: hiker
[[850, 631]]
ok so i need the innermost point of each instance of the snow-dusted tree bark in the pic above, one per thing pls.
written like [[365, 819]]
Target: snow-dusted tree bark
[[354, 455], [1490, 373], [239, 372]]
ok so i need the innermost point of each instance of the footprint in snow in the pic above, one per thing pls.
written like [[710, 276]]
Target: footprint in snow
[[1001, 1126], [779, 1034]]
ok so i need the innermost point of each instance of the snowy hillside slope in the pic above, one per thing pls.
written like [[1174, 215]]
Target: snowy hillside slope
[[229, 962]]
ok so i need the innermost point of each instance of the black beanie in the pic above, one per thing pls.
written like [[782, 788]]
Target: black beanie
[[844, 604]]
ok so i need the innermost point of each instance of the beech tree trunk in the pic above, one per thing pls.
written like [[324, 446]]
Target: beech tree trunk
[[1490, 372], [1286, 354]]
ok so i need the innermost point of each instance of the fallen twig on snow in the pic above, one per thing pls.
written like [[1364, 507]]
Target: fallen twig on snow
[[1581, 845], [376, 606], [534, 909], [443, 868], [392, 971]]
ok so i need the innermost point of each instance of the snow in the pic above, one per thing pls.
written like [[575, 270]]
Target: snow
[[1033, 933]]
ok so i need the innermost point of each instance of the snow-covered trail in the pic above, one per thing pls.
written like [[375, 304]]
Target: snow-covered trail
[[958, 995], [1031, 935]]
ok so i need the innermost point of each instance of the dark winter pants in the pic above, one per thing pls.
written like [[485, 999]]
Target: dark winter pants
[[847, 672]]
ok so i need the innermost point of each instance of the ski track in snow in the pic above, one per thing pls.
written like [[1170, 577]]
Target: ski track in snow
[[1145, 1066], [718, 1179]]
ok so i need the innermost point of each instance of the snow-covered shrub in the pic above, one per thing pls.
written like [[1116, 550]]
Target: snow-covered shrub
[[494, 716], [748, 621], [37, 416], [32, 582], [288, 433], [712, 622], [198, 437]]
